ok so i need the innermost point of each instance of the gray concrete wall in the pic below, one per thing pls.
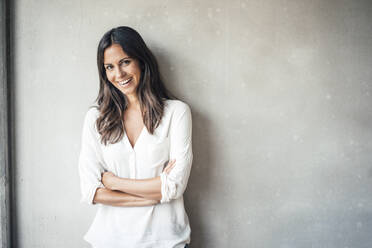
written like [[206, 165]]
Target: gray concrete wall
[[280, 93]]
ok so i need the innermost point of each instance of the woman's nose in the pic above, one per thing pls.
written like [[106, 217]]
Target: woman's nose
[[120, 73]]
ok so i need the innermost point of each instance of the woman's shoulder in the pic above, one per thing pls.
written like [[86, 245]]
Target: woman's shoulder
[[92, 114], [176, 105]]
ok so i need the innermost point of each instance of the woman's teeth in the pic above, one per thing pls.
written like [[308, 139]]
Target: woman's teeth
[[124, 82]]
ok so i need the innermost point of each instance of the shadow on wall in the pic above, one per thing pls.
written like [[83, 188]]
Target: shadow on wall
[[200, 182]]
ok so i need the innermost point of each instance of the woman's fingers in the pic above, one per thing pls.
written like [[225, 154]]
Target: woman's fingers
[[152, 202], [107, 173], [170, 166], [166, 169]]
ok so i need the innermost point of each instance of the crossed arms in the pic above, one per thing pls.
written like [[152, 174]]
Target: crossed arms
[[130, 192]]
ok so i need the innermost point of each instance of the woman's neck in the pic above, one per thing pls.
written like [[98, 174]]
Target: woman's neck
[[133, 102]]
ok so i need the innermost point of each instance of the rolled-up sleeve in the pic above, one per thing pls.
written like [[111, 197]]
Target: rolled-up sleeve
[[90, 159], [173, 185]]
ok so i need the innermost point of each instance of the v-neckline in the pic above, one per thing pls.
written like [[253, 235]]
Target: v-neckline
[[138, 138]]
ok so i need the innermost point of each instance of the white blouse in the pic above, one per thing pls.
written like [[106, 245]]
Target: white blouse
[[163, 225]]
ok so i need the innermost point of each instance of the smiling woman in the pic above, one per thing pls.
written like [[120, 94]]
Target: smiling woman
[[136, 152], [121, 70]]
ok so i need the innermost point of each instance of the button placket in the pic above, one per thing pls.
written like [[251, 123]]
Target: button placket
[[132, 164]]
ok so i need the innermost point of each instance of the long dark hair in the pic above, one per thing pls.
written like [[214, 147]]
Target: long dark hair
[[112, 102]]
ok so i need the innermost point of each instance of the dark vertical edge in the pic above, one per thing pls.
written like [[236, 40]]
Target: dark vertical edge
[[5, 222], [11, 122]]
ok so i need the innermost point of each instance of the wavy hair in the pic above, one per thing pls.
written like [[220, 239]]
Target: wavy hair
[[112, 102]]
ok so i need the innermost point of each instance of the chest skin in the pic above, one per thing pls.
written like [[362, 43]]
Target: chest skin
[[133, 124]]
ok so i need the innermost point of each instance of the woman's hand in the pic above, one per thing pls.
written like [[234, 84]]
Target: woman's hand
[[108, 180], [169, 166]]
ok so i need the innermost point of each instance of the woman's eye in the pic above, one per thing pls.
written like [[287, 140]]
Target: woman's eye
[[126, 62], [109, 67]]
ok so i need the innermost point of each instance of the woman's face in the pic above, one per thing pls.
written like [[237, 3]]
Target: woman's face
[[121, 70]]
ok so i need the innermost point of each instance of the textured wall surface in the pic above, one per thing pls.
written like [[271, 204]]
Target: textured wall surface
[[281, 96]]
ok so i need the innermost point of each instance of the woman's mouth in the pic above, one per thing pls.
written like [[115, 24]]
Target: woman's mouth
[[122, 83]]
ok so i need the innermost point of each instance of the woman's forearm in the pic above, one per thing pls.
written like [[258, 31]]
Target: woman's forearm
[[146, 188], [115, 198]]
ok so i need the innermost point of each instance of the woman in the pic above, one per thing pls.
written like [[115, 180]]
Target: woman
[[136, 152]]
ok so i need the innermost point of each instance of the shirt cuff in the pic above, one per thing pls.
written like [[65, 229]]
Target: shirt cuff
[[168, 188], [89, 196]]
